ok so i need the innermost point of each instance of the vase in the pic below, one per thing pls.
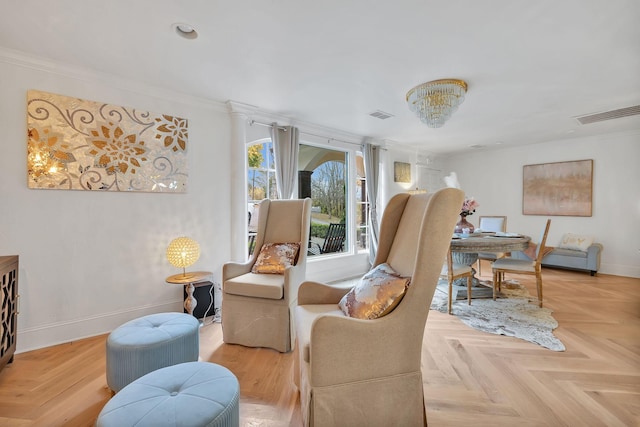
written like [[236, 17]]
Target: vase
[[463, 224]]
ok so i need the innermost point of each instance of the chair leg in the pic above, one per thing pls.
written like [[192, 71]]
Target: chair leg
[[539, 288], [496, 274], [450, 294], [469, 282]]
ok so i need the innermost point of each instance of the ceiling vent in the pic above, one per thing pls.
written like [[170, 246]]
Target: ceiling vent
[[380, 115], [609, 115]]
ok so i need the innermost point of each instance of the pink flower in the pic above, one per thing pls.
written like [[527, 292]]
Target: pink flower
[[469, 206]]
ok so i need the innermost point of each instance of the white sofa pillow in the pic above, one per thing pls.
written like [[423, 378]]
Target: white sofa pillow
[[576, 242]]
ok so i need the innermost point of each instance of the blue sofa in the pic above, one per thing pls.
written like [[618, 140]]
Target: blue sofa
[[570, 258]]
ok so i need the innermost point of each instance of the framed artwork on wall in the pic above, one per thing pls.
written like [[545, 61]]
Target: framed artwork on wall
[[401, 172], [561, 188], [75, 144]]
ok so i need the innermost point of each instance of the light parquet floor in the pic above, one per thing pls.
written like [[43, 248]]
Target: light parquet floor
[[470, 377]]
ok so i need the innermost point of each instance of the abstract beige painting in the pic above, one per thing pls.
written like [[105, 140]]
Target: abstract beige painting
[[561, 188], [74, 144]]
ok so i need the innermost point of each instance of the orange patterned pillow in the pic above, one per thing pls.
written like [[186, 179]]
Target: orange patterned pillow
[[274, 258], [376, 294]]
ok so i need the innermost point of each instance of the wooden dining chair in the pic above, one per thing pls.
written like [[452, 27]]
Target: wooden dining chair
[[452, 271], [520, 266], [491, 224]]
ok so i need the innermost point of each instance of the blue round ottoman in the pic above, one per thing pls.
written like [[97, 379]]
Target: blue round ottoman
[[148, 343], [192, 394]]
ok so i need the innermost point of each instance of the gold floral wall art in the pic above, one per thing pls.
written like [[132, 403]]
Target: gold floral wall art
[[75, 144]]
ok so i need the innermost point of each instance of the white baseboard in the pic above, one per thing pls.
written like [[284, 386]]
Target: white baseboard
[[62, 332], [619, 270]]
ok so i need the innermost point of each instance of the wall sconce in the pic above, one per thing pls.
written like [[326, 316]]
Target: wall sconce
[[183, 252]]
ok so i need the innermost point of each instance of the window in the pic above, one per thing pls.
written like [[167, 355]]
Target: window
[[362, 204], [261, 184], [324, 175], [261, 178]]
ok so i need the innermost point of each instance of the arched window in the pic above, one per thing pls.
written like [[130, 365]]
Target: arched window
[[324, 175]]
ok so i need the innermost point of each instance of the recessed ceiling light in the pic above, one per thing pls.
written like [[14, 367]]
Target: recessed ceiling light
[[186, 31]]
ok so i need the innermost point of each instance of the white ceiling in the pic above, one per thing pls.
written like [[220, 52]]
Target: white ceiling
[[531, 66]]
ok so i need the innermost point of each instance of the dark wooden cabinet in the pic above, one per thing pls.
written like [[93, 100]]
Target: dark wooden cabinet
[[8, 308]]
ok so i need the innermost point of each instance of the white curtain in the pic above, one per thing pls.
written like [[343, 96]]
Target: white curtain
[[285, 149], [371, 169]]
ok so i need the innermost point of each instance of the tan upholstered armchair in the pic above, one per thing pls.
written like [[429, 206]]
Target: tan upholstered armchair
[[257, 308], [367, 372]]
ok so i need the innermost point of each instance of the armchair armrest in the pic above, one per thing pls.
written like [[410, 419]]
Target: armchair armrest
[[293, 277], [235, 269], [593, 257], [320, 293]]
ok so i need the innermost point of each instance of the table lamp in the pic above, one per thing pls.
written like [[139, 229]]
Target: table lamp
[[183, 252]]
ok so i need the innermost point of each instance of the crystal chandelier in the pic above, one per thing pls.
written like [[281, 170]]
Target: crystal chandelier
[[434, 102]]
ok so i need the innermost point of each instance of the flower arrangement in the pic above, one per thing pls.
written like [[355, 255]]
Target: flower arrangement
[[468, 206]]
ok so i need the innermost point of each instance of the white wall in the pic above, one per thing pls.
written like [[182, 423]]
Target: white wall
[[427, 172], [494, 178], [91, 260]]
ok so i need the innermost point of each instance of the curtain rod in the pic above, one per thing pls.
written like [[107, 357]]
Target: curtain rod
[[253, 122], [329, 139]]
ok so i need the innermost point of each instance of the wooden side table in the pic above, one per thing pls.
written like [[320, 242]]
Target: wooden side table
[[188, 279]]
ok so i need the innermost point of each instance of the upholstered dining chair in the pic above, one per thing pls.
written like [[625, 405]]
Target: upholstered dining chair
[[452, 271], [258, 296], [520, 266], [358, 358], [493, 224]]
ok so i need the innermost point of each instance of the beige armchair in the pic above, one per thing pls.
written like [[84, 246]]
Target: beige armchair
[[257, 308], [367, 372]]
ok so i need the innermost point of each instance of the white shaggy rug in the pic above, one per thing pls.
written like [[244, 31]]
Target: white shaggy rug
[[511, 314]]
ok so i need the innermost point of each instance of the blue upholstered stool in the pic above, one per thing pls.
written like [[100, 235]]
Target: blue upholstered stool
[[192, 394], [148, 343]]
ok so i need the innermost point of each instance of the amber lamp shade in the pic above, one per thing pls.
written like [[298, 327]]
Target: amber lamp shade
[[183, 252]]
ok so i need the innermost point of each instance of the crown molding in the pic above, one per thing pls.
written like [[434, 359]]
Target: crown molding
[[46, 65], [255, 113], [240, 107]]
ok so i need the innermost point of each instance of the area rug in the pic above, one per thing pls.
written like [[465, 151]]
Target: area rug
[[511, 314]]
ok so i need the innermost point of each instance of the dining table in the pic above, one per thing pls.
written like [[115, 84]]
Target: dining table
[[465, 248]]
